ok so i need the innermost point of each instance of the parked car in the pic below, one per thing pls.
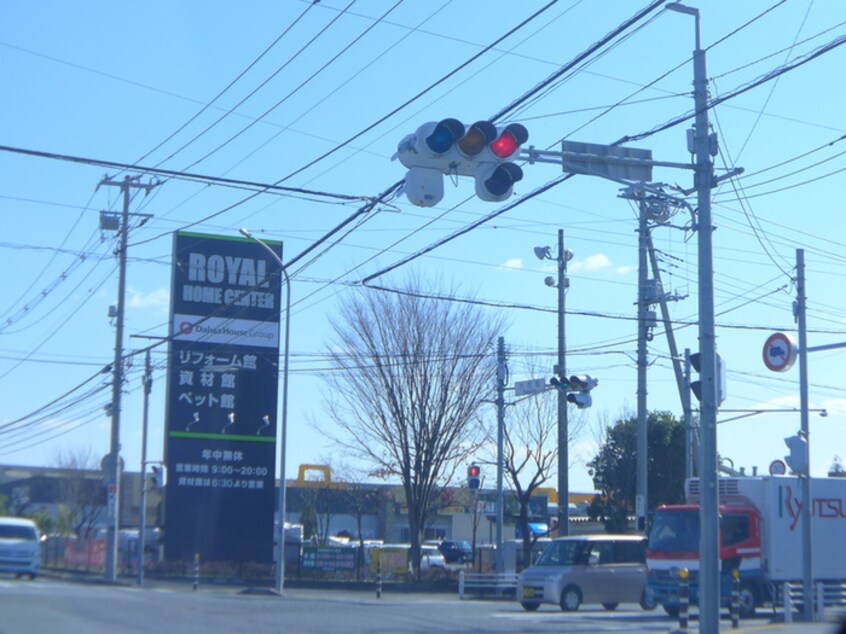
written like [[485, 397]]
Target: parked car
[[431, 558], [456, 552], [606, 569], [20, 550]]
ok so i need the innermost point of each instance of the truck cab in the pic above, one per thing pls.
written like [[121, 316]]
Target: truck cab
[[674, 545]]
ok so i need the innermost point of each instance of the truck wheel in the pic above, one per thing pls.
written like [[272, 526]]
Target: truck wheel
[[671, 610], [610, 606], [747, 601], [647, 600], [571, 599], [529, 606]]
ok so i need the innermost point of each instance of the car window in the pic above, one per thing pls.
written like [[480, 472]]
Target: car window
[[735, 529], [603, 551], [563, 553], [628, 552]]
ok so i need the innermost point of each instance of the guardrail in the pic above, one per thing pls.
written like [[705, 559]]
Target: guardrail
[[826, 594], [496, 582]]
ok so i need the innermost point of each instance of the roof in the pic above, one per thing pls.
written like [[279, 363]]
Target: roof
[[16, 521]]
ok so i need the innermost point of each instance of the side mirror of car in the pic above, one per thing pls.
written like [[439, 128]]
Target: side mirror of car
[[593, 560]]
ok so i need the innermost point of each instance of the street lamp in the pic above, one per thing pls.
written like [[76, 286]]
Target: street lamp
[[283, 431], [564, 256]]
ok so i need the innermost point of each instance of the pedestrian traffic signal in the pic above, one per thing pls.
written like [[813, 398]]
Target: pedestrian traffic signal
[[798, 458], [474, 480], [448, 147]]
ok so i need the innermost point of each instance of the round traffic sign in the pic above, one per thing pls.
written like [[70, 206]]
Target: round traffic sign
[[779, 352], [777, 467]]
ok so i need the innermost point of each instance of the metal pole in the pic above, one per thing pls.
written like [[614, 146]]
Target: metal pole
[[280, 545], [283, 432], [142, 520], [563, 432], [807, 563], [703, 180], [642, 474], [113, 481], [709, 551], [500, 446]]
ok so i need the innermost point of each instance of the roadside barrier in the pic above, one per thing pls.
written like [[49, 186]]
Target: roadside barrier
[[196, 570], [494, 581]]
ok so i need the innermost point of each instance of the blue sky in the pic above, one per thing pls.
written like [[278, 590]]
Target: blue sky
[[133, 83]]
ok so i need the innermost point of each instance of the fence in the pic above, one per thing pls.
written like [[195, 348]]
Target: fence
[[487, 584], [827, 594]]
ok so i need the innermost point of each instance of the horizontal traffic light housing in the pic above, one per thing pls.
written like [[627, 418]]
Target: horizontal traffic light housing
[[448, 147]]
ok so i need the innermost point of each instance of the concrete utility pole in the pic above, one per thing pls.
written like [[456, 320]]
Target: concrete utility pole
[[642, 472], [501, 371], [703, 180], [805, 478], [142, 520], [563, 431], [113, 461]]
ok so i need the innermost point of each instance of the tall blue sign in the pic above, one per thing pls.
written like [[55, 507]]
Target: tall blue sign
[[223, 371]]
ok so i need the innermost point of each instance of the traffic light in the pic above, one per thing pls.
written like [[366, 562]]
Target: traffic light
[[474, 479], [158, 477], [580, 386], [719, 377], [559, 383], [798, 458], [448, 147]]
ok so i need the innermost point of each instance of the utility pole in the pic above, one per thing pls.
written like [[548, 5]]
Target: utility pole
[[142, 520], [805, 478], [642, 473], [501, 371], [113, 462], [561, 370]]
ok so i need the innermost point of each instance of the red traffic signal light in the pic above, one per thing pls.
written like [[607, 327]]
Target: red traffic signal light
[[509, 141], [473, 477]]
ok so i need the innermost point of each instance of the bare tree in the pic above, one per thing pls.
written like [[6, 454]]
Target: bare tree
[[410, 375], [81, 491]]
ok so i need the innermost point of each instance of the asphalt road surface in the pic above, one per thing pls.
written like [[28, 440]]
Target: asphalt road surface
[[46, 605]]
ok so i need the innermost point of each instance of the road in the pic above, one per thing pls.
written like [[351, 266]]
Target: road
[[46, 605]]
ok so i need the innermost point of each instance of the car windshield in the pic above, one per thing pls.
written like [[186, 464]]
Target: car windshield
[[563, 553], [675, 530], [18, 532]]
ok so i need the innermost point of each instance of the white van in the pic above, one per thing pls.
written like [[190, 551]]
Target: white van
[[20, 550]]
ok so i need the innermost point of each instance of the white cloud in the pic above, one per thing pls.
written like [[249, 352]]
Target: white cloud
[[513, 263], [159, 299], [625, 269], [591, 263]]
